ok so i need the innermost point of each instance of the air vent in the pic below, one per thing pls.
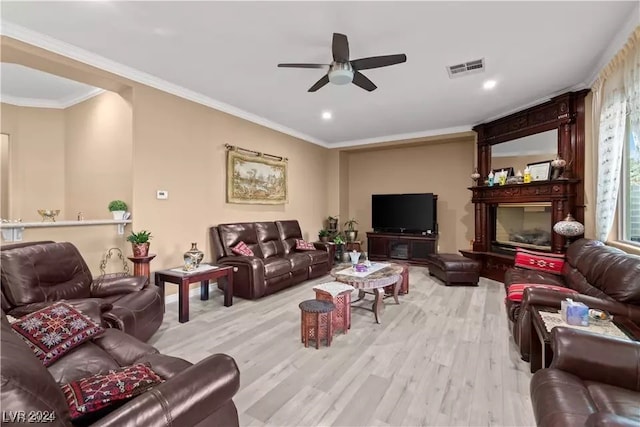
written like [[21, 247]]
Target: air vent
[[470, 67]]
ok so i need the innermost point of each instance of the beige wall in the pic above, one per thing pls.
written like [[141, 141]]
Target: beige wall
[[98, 152], [440, 168], [36, 139], [179, 147]]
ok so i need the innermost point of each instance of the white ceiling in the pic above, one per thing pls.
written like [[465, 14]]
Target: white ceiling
[[224, 54], [27, 87]]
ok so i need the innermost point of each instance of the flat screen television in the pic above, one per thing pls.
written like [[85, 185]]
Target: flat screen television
[[404, 213]]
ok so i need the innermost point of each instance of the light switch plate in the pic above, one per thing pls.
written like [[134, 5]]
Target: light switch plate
[[162, 194]]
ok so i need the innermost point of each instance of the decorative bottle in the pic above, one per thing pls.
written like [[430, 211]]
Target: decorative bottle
[[491, 176], [527, 175], [193, 256]]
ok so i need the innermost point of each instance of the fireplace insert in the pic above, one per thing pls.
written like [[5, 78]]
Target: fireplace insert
[[526, 225]]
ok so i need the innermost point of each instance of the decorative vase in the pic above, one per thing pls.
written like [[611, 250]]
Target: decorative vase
[[140, 249], [118, 215], [193, 256]]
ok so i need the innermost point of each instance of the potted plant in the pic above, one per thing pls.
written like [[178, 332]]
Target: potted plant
[[339, 241], [323, 235], [351, 233], [140, 242], [333, 222], [118, 209]]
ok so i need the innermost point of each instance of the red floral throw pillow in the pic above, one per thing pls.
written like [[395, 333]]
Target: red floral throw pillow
[[55, 330], [516, 291], [302, 245], [91, 394], [550, 263], [242, 249]]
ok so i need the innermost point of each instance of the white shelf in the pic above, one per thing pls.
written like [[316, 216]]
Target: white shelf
[[12, 231]]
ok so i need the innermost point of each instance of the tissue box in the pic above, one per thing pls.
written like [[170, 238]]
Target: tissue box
[[577, 314]]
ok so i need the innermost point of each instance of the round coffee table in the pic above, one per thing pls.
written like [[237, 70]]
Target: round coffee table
[[372, 283]]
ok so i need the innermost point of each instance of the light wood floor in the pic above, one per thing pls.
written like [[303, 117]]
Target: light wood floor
[[443, 357]]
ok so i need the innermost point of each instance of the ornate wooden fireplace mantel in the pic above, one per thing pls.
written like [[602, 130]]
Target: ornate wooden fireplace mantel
[[564, 113]]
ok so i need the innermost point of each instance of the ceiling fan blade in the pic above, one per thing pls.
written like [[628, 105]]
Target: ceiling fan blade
[[340, 48], [303, 65], [361, 80], [378, 61], [323, 81]]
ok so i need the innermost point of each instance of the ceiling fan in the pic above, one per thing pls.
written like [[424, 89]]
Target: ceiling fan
[[343, 71]]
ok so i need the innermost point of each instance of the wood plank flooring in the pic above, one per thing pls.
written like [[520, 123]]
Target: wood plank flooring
[[443, 357]]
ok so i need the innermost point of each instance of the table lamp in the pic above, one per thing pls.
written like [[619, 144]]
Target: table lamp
[[569, 228]]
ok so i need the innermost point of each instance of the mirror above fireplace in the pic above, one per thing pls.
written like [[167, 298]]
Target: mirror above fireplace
[[520, 152]]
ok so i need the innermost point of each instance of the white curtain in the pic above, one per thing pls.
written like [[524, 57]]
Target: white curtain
[[610, 148], [618, 96], [632, 88]]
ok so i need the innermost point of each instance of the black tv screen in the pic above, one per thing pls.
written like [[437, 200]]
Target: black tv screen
[[404, 212]]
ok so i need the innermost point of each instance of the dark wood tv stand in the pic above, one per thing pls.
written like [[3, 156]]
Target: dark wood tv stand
[[403, 247]]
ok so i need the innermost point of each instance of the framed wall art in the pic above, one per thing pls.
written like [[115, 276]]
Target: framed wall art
[[540, 171], [255, 178]]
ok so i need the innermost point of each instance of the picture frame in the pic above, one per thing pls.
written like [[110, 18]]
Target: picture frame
[[255, 179], [540, 171], [508, 170]]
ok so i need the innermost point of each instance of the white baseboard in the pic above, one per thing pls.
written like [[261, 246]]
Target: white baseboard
[[192, 292]]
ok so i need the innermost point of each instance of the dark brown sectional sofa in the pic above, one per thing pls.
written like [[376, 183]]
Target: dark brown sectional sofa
[[594, 380], [602, 277], [276, 263], [191, 395]]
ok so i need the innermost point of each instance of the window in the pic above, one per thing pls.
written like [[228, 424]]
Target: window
[[630, 189]]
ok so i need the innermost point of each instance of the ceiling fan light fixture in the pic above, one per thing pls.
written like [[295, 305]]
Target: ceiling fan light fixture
[[340, 73]]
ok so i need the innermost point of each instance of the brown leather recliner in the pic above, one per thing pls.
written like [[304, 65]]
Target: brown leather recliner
[[192, 395], [276, 264], [602, 277], [594, 380], [34, 275]]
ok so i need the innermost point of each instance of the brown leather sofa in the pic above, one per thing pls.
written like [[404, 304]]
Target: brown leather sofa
[[34, 275], [192, 395], [276, 264], [602, 277], [593, 380]]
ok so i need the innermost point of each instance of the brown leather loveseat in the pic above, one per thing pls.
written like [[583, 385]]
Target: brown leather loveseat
[[602, 277], [191, 395], [276, 263], [594, 380], [34, 275]]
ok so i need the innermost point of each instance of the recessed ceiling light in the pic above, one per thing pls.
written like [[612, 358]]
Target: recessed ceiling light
[[489, 84], [326, 115]]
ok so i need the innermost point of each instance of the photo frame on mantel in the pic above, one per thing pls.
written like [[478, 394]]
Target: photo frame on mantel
[[540, 171], [508, 170]]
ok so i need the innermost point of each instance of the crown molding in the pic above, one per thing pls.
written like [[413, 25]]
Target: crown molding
[[59, 104], [68, 102], [70, 51], [401, 136]]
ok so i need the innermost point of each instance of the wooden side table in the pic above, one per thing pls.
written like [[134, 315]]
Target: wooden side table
[[141, 265], [203, 275], [340, 295]]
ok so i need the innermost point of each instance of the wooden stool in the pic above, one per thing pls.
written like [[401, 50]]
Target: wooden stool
[[316, 321], [340, 295]]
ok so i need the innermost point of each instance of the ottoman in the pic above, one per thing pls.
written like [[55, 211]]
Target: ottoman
[[454, 269]]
